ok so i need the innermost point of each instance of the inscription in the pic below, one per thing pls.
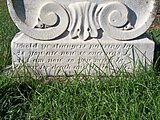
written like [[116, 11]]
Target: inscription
[[42, 53], [110, 46], [72, 57], [25, 46]]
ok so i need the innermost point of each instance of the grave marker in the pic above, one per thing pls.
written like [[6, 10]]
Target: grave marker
[[58, 36]]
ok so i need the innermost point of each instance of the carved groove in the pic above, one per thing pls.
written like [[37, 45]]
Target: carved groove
[[47, 28], [115, 22], [114, 19], [84, 20]]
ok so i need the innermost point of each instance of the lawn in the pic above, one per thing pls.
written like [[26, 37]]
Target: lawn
[[126, 96]]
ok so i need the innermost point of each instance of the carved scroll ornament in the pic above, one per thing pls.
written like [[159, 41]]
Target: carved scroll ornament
[[52, 21], [116, 19]]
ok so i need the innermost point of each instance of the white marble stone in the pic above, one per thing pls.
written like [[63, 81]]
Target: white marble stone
[[70, 56], [67, 36], [50, 19]]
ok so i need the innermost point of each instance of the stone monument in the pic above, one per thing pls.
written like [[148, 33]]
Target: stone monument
[[60, 37]]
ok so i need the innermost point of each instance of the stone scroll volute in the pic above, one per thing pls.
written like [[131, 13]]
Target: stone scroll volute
[[50, 19]]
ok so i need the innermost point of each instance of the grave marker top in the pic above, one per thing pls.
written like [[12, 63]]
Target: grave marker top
[[54, 19]]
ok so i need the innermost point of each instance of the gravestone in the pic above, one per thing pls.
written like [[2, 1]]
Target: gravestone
[[60, 37]]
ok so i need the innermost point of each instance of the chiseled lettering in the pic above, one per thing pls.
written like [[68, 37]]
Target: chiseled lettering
[[25, 45], [62, 67], [38, 60], [68, 53], [51, 53], [54, 60], [95, 53]]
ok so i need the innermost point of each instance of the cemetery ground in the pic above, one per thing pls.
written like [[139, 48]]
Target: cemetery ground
[[125, 96]]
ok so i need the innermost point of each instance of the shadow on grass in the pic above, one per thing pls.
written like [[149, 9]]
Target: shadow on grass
[[155, 35], [15, 98]]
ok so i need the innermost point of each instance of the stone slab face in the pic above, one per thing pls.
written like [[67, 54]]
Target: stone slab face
[[90, 57], [64, 36]]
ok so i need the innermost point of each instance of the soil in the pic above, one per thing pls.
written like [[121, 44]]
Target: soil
[[156, 24]]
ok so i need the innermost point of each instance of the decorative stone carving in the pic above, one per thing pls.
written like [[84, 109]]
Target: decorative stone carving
[[64, 36], [84, 22], [51, 21], [121, 20], [115, 21]]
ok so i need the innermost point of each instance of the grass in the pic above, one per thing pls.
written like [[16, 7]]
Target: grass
[[7, 32], [133, 96], [124, 97]]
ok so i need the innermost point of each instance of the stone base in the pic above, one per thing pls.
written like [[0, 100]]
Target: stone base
[[59, 57]]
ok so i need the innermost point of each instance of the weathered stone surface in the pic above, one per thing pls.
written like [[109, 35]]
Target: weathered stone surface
[[60, 57], [64, 36], [50, 19]]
